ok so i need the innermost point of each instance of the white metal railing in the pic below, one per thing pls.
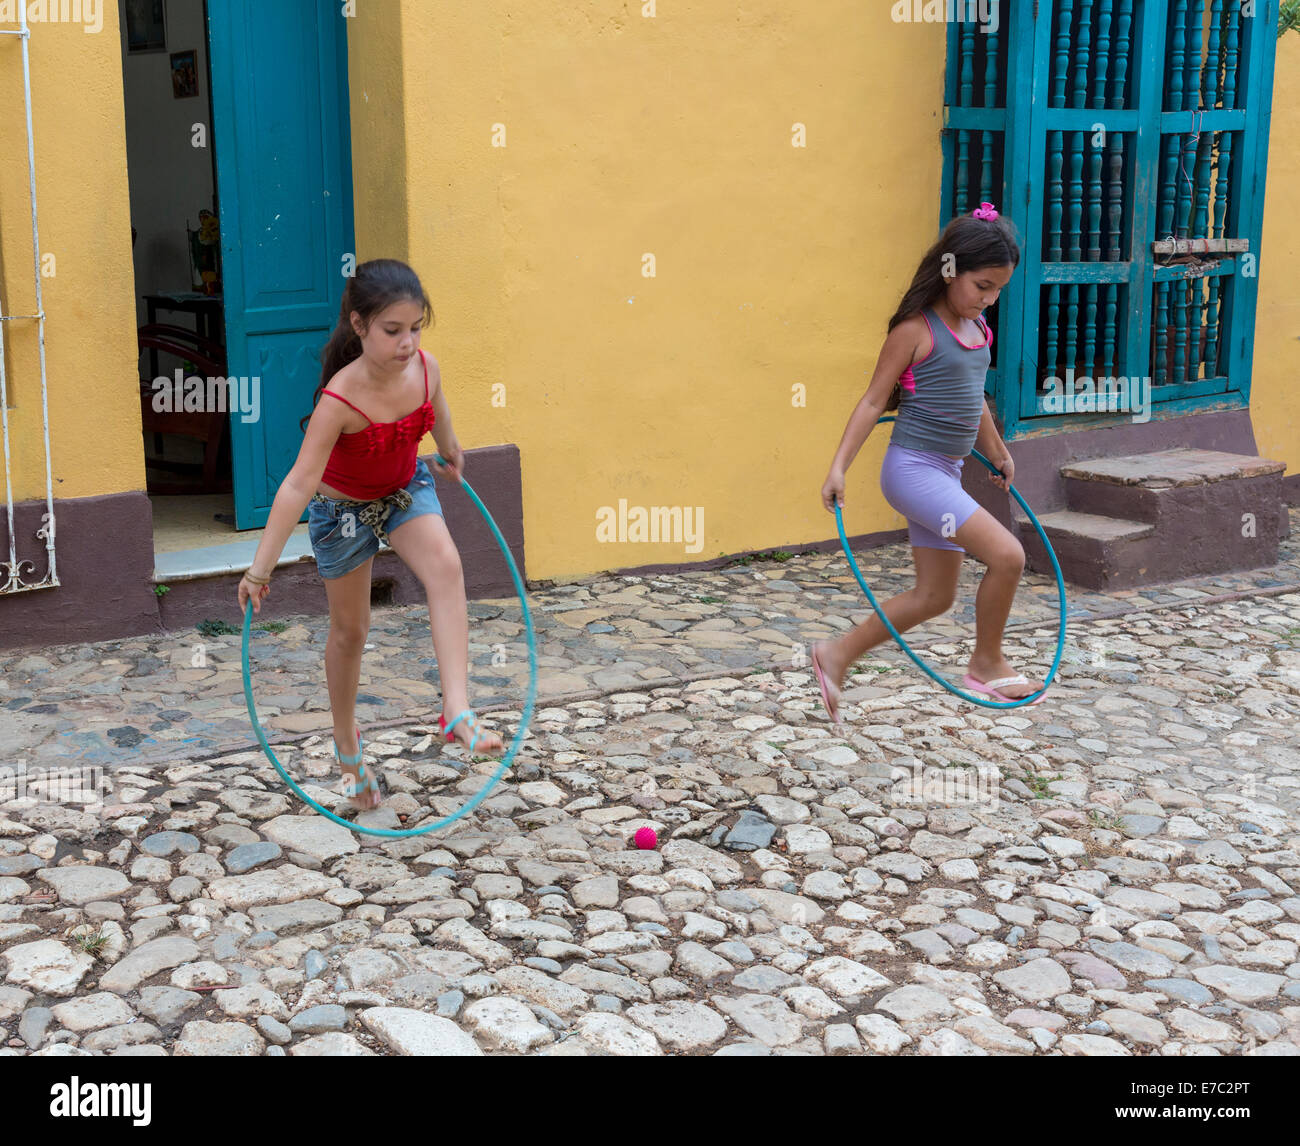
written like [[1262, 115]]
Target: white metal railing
[[11, 571]]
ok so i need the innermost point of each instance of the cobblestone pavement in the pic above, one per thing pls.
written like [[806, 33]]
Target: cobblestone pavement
[[179, 695], [1113, 872]]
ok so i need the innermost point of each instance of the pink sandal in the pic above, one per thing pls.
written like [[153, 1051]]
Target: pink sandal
[[990, 688], [831, 710]]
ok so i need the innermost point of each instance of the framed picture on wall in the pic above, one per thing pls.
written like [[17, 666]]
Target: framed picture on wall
[[185, 76], [146, 26]]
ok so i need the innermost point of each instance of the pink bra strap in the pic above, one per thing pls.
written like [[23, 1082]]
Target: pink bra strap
[[347, 403]]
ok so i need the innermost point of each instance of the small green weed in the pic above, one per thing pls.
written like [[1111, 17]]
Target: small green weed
[[209, 628], [92, 945], [778, 555], [1038, 785]]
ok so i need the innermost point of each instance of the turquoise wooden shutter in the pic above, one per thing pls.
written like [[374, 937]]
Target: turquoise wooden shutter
[[284, 184], [1128, 125]]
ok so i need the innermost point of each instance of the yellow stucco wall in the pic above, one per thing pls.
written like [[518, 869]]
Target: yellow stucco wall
[[376, 94], [85, 226], [775, 265], [1275, 378]]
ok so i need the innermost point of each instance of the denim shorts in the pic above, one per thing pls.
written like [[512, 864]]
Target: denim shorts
[[925, 487], [342, 542]]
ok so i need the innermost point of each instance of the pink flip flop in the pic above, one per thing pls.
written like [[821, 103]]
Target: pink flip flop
[[831, 710], [990, 688]]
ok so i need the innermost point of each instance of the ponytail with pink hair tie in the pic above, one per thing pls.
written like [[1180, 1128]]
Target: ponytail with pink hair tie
[[985, 211]]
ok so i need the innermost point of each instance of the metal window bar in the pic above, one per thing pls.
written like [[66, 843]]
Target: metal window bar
[[975, 97], [11, 571]]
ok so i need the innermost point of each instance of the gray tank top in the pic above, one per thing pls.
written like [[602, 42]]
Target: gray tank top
[[942, 398]]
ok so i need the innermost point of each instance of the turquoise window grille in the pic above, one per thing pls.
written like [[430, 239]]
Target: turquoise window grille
[[1127, 140]]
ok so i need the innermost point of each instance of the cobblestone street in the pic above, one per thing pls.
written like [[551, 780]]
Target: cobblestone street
[[1113, 872]]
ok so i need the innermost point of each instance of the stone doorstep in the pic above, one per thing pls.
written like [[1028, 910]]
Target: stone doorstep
[[1093, 550], [1166, 469], [1086, 527], [298, 588], [1131, 520], [1104, 553]]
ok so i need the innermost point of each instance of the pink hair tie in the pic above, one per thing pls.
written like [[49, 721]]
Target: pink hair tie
[[985, 211]]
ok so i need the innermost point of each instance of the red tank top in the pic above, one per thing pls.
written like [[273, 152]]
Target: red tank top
[[380, 459]]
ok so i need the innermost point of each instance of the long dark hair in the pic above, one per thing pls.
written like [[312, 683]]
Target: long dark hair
[[375, 286], [973, 244]]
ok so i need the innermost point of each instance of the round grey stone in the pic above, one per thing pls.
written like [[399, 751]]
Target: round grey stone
[[450, 1003], [1138, 826], [78, 885], [751, 832], [20, 865], [273, 1030], [245, 857], [231, 835], [1185, 990], [318, 1020], [164, 844], [33, 1025]]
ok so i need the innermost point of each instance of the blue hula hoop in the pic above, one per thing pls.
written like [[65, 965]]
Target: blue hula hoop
[[884, 620], [506, 760]]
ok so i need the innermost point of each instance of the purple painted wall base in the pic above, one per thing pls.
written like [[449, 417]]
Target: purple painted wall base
[[106, 561]]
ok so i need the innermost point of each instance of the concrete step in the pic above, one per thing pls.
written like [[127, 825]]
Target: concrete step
[[1165, 469], [1162, 516], [1093, 550], [1070, 522], [1141, 487]]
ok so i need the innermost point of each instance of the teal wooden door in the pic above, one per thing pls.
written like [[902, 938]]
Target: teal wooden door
[[1127, 140], [284, 188]]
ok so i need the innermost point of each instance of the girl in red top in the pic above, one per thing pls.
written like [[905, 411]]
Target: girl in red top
[[359, 471]]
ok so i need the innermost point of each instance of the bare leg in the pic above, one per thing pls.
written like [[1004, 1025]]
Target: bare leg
[[428, 550], [936, 588], [1005, 557], [349, 600]]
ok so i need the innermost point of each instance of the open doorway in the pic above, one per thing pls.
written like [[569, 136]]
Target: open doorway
[[175, 239], [239, 166]]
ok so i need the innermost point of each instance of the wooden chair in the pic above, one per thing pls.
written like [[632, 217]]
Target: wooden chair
[[205, 346], [208, 426], [213, 350]]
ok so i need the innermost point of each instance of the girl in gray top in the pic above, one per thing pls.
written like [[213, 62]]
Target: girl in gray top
[[932, 369]]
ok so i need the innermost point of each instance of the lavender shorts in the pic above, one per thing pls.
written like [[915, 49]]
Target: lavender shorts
[[925, 487]]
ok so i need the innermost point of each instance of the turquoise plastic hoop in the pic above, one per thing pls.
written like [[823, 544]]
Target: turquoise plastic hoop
[[506, 760], [884, 620]]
